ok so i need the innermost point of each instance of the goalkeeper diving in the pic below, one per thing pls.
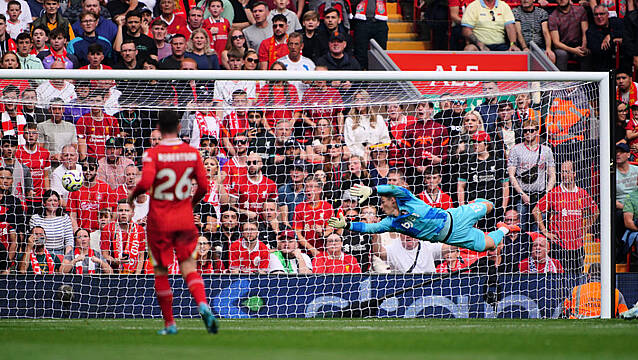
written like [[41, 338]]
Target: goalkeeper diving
[[406, 214]]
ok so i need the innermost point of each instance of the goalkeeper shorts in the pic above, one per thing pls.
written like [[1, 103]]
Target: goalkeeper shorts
[[464, 234]]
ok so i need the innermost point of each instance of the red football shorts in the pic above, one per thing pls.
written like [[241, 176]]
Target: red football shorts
[[162, 244]]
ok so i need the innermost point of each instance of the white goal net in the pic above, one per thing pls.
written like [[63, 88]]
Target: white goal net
[[282, 151]]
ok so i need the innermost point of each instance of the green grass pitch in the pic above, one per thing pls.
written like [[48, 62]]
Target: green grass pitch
[[328, 339]]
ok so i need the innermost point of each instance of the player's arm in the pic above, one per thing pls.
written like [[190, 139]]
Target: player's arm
[[373, 228], [202, 181]]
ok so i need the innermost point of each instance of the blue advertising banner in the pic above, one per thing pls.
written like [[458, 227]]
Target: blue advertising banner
[[236, 296]]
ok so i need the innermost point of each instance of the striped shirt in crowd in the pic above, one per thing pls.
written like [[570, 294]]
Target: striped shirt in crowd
[[59, 230]]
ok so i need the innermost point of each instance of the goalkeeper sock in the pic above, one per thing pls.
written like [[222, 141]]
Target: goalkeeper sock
[[196, 287], [165, 298]]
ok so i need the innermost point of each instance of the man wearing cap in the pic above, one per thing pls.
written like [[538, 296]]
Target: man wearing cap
[[484, 177], [337, 58], [291, 193], [95, 128], [112, 167], [22, 182], [288, 259], [571, 214], [274, 47]]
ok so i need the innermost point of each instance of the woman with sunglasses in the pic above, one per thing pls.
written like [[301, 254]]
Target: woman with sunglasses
[[238, 42], [251, 60]]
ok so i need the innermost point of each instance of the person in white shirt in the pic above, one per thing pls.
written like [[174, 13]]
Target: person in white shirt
[[55, 88], [364, 127], [288, 259], [18, 20], [408, 255], [294, 61], [281, 8], [69, 161]]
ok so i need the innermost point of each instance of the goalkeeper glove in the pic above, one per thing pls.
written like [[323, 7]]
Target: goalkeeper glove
[[361, 191], [339, 222]]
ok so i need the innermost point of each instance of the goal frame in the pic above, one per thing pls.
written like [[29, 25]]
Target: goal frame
[[603, 79]]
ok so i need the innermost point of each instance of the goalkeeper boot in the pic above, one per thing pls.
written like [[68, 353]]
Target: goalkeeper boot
[[210, 321], [511, 228], [631, 313], [169, 330]]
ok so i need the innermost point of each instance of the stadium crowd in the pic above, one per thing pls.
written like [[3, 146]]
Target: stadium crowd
[[281, 156]]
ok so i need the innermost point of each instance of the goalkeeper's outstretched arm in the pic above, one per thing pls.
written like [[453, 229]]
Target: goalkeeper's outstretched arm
[[373, 228]]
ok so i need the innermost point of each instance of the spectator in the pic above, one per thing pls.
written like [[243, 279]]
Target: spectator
[[36, 159], [274, 47], [397, 122], [122, 242], [26, 58], [131, 177], [370, 22], [95, 128], [128, 57], [105, 27], [453, 261], [54, 133], [630, 38], [56, 223], [225, 88], [79, 46], [539, 262], [622, 122], [631, 129], [158, 30], [52, 18], [288, 259], [516, 245], [433, 195], [208, 261], [484, 176], [249, 255], [364, 127], [457, 41], [218, 26], [314, 103], [291, 193], [492, 264], [482, 35], [11, 120], [36, 259], [408, 255], [104, 217], [57, 51], [311, 216], [18, 21], [571, 214], [67, 158], [112, 167], [626, 88], [84, 204], [451, 118], [250, 60], [236, 121], [630, 219], [49, 90], [194, 20], [95, 56], [29, 110], [428, 140], [332, 24], [291, 18], [277, 93], [261, 29], [278, 164], [294, 61], [237, 42], [198, 49], [85, 260], [6, 42], [119, 8], [22, 186], [337, 58], [253, 190], [460, 146], [176, 22], [568, 26], [227, 234], [509, 131], [603, 37], [143, 43], [310, 33], [236, 168], [195, 125], [583, 301], [531, 26], [12, 219], [489, 107], [40, 36], [531, 171], [379, 167], [333, 260], [524, 112]]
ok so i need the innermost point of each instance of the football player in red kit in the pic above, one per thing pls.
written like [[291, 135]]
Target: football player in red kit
[[168, 170]]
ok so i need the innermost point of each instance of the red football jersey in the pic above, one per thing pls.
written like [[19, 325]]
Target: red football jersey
[[253, 195], [234, 172], [549, 266], [567, 210], [287, 95], [270, 50], [322, 104], [95, 132], [37, 161], [118, 242], [443, 201], [245, 260], [86, 203], [324, 264], [234, 124], [219, 40], [309, 217], [168, 170]]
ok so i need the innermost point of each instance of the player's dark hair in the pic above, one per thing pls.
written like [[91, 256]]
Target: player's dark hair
[[168, 121], [47, 194], [10, 89], [279, 18], [95, 49], [75, 233], [14, 2]]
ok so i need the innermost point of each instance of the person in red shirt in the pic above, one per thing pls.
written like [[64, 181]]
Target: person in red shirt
[[255, 188], [274, 47], [311, 217], [322, 101], [428, 139], [248, 254], [236, 121], [433, 195], [397, 122], [236, 168], [122, 241], [539, 261], [218, 26], [333, 260], [280, 94], [95, 127], [36, 158], [208, 261], [454, 261], [84, 204], [571, 214], [168, 172], [176, 22]]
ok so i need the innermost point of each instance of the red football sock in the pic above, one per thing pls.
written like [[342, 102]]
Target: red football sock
[[164, 298], [196, 287]]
